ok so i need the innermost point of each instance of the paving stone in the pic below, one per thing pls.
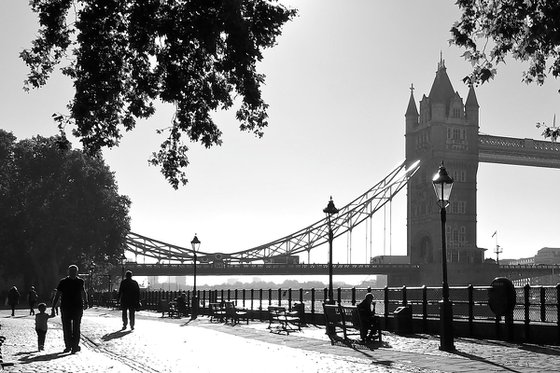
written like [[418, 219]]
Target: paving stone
[[181, 345]]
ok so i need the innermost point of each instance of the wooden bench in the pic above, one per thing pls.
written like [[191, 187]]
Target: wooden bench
[[344, 322], [234, 314], [169, 308], [281, 320], [217, 312]]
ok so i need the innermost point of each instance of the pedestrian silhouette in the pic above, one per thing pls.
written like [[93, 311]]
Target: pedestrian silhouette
[[41, 325], [31, 300], [129, 296], [72, 306], [13, 299]]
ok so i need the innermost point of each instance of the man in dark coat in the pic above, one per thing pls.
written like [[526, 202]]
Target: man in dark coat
[[31, 300], [129, 296], [13, 298], [72, 306], [366, 309]]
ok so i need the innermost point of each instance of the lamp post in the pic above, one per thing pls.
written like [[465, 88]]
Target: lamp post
[[195, 243], [443, 184], [329, 211], [123, 261]]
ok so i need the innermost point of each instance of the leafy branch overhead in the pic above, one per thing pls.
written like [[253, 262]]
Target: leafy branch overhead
[[126, 54], [527, 30]]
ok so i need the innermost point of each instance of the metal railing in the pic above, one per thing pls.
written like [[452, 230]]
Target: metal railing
[[533, 303]]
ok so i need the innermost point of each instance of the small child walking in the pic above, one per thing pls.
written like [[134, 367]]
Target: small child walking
[[41, 325]]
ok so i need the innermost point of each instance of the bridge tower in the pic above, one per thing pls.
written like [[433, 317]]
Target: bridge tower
[[446, 129]]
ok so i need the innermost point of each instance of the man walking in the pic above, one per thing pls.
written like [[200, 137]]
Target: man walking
[[129, 295], [31, 300], [13, 299], [74, 301]]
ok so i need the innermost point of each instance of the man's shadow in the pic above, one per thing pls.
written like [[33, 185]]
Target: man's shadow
[[27, 358], [115, 335]]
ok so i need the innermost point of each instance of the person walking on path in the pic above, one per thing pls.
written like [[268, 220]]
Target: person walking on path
[[13, 299], [129, 296], [41, 325], [31, 300], [72, 306]]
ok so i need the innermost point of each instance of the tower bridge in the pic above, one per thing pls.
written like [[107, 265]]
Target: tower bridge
[[444, 129]]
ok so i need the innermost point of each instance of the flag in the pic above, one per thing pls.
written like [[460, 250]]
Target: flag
[[493, 234]]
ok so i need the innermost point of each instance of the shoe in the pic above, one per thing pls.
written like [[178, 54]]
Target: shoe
[[132, 327], [67, 349], [123, 327], [76, 349]]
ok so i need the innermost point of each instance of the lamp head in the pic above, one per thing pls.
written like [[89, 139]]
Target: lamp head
[[195, 243], [330, 209], [443, 184]]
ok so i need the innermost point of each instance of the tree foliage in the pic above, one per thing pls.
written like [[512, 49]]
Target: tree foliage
[[527, 30], [57, 206], [125, 54]]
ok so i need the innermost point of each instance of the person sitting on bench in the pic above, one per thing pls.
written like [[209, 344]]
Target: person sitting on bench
[[366, 310]]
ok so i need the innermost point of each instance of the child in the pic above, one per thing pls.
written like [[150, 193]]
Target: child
[[41, 324]]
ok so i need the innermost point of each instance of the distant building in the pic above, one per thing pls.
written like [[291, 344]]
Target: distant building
[[390, 259], [548, 255], [520, 261]]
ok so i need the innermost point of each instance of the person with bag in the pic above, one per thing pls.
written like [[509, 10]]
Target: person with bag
[[129, 296]]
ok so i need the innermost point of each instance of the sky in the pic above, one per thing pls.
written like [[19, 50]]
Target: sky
[[338, 86]]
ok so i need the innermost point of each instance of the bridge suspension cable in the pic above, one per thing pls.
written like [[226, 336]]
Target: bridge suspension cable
[[305, 239]]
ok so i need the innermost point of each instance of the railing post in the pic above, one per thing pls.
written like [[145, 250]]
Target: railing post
[[243, 298], [354, 296], [339, 295], [313, 304], [301, 295], [229, 295], [252, 298], [325, 295], [290, 299], [386, 305], [235, 292], [260, 303], [526, 290], [424, 308], [279, 297], [269, 297], [558, 311], [543, 303], [470, 290], [404, 300]]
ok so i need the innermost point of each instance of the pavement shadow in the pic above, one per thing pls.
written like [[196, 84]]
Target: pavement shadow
[[367, 351], [187, 322], [115, 335], [545, 350], [28, 358], [483, 360]]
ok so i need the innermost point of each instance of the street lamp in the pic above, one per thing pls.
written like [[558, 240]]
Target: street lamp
[[195, 243], [123, 261], [329, 211], [442, 186]]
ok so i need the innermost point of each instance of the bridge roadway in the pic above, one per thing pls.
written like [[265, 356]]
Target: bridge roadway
[[268, 269], [510, 271]]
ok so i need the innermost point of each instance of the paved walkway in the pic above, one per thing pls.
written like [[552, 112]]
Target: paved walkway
[[181, 345]]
